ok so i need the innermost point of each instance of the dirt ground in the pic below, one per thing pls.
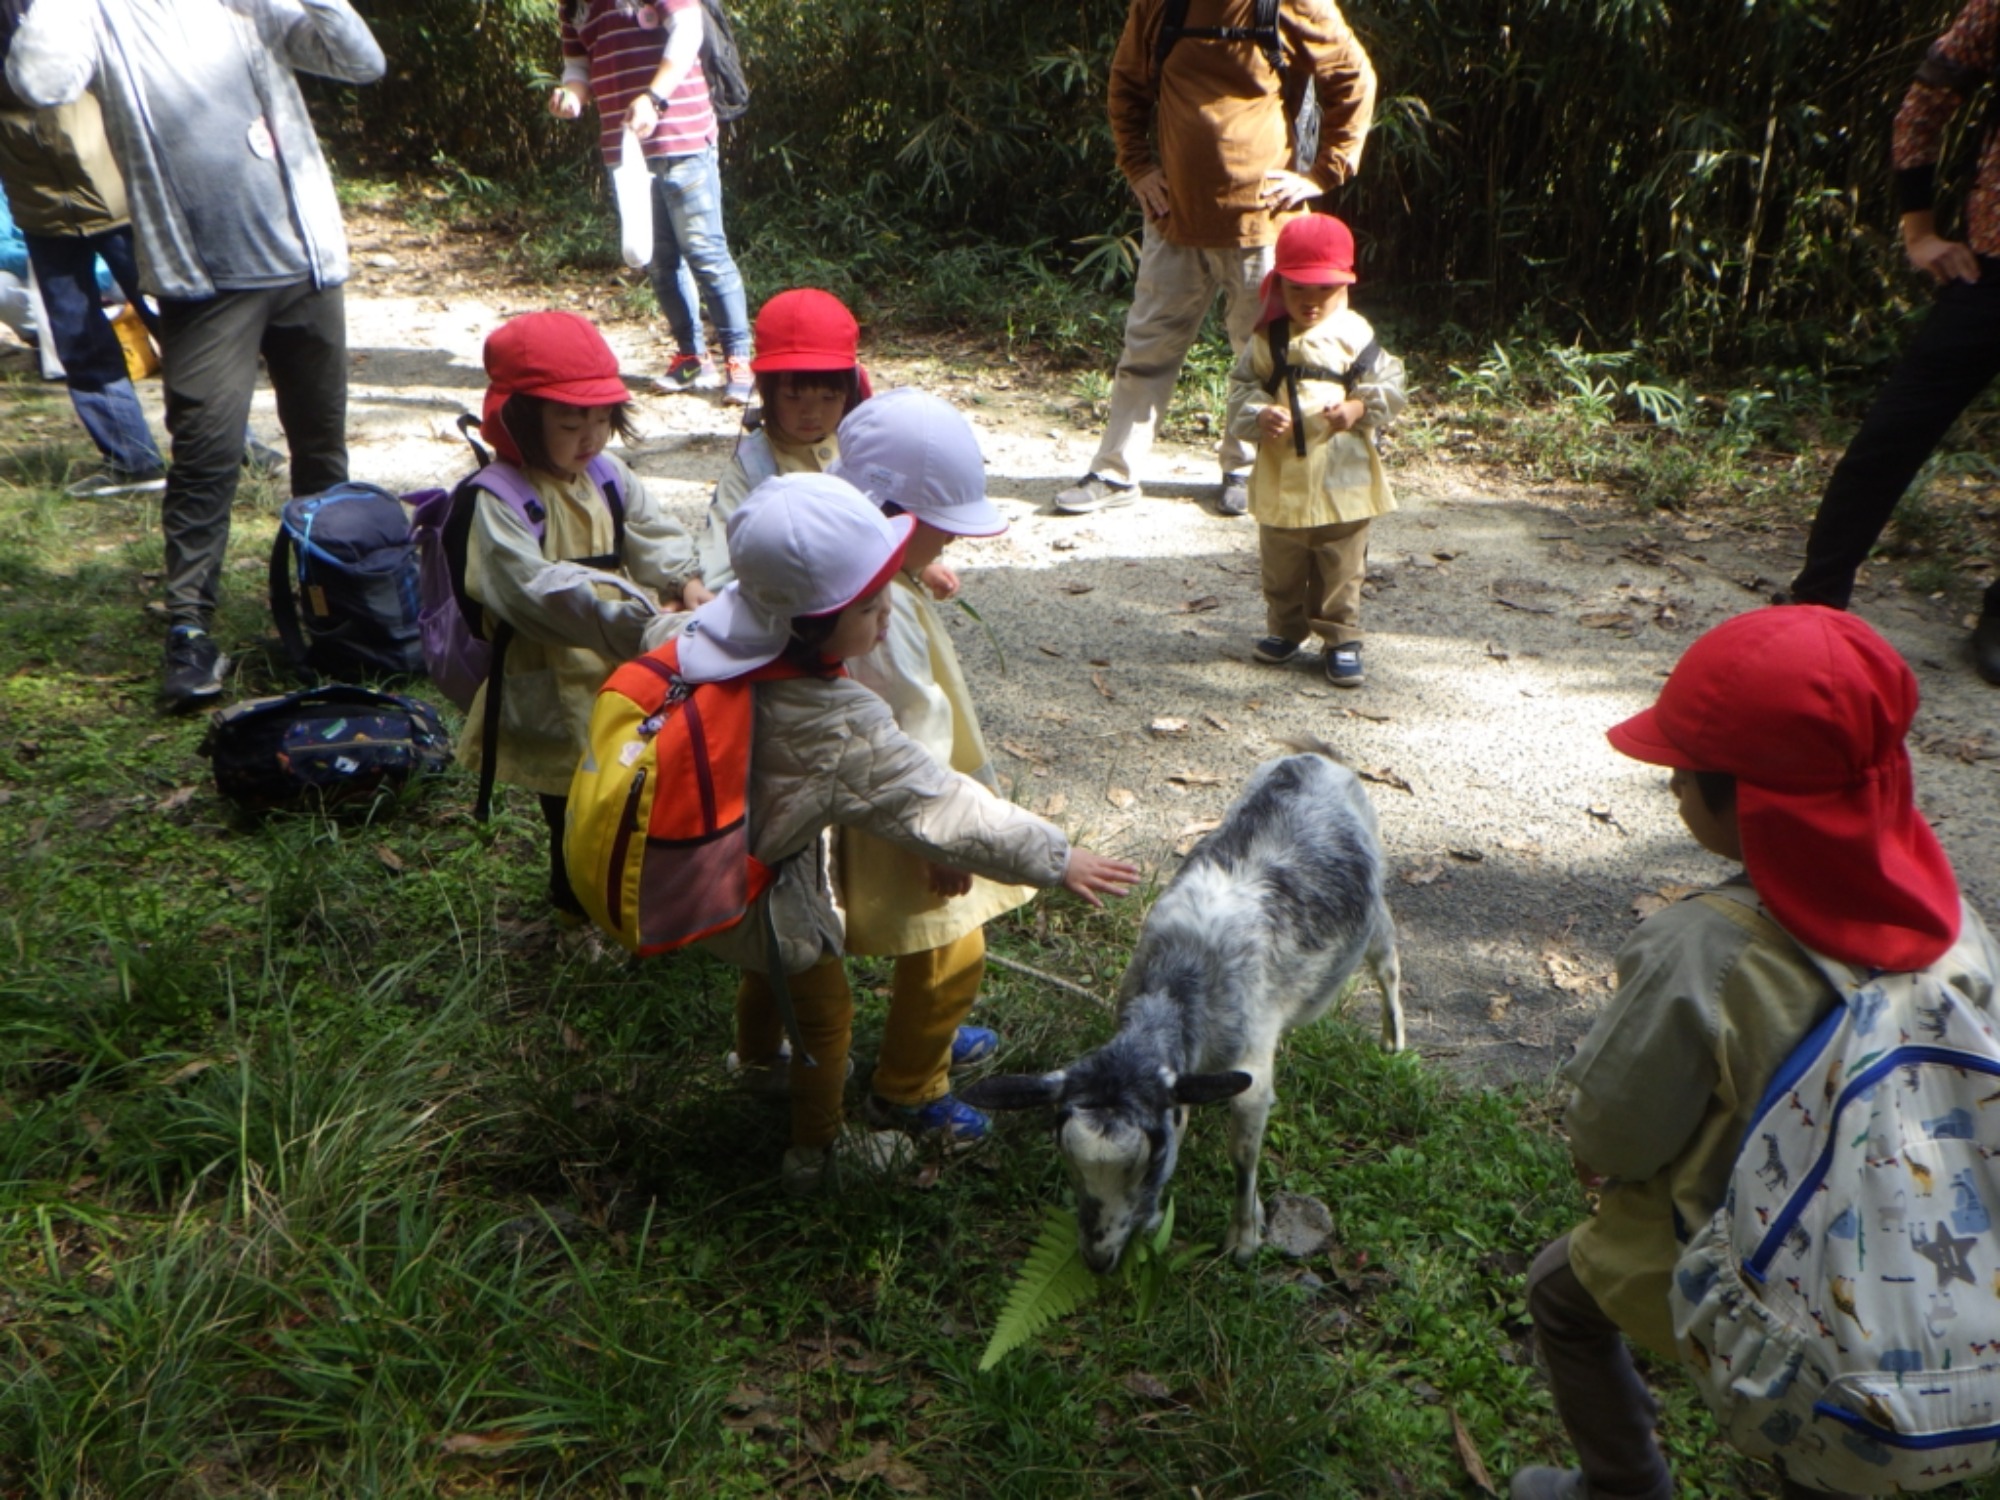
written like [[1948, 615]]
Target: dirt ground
[[1508, 625]]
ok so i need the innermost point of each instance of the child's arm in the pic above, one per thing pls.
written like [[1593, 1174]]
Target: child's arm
[[572, 90], [1251, 411], [556, 604], [658, 551], [1382, 393]]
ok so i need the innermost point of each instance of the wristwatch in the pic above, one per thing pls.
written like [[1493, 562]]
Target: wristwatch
[[659, 100]]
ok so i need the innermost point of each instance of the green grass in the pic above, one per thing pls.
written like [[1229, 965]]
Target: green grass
[[325, 1171]]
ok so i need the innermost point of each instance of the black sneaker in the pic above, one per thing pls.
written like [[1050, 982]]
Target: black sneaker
[[1343, 665], [1275, 650], [194, 671], [1091, 493], [1235, 497]]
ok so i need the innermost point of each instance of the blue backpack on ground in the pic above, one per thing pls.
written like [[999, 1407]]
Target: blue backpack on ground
[[1841, 1312], [344, 584], [460, 647]]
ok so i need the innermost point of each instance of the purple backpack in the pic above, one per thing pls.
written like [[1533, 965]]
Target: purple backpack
[[462, 649]]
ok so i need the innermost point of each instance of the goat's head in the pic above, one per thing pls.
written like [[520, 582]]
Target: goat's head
[[1119, 1133]]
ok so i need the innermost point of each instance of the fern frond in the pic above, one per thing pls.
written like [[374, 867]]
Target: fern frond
[[1053, 1283]]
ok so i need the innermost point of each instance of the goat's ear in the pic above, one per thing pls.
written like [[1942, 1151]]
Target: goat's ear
[[1209, 1088], [1013, 1091]]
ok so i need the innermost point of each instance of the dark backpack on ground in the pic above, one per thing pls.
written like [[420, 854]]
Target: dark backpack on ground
[[722, 64], [461, 648], [1287, 374], [322, 746], [344, 584], [1296, 84]]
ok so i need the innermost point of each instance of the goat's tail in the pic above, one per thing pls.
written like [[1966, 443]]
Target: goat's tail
[[1306, 744]]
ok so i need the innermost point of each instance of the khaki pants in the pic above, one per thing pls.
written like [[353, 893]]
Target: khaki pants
[[1176, 287], [930, 995], [825, 1007], [1312, 581]]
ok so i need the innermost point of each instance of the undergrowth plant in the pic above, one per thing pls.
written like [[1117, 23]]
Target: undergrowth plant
[[1053, 1281]]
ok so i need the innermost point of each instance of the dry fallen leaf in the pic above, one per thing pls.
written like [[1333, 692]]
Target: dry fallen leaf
[[1566, 974], [391, 860], [1048, 650], [479, 1442], [1078, 588], [1148, 1387], [1422, 874], [1201, 606], [1169, 726], [1496, 1006], [1022, 752], [1217, 721], [1192, 834], [1056, 806], [1606, 619], [1121, 797], [1103, 688], [175, 800], [1647, 902], [1195, 778], [1497, 654], [1606, 816], [1475, 1466], [1470, 856], [572, 1039], [1386, 777]]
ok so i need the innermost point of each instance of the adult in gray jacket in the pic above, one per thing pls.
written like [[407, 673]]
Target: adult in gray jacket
[[239, 239]]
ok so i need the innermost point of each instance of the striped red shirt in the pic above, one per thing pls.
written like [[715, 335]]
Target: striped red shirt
[[623, 54]]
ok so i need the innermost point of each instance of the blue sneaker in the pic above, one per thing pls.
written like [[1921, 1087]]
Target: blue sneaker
[[973, 1044], [954, 1123]]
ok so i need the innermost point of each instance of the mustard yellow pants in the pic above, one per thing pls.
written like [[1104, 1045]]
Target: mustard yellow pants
[[932, 992], [825, 1007]]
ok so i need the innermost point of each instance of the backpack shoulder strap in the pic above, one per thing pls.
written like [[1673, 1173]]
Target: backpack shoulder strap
[[1265, 24], [604, 474], [1362, 364], [1279, 332], [1173, 25], [284, 601]]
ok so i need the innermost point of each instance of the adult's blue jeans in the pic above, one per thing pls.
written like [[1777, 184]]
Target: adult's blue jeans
[[99, 388], [691, 251]]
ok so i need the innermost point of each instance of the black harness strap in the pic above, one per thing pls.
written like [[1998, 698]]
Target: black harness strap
[[1287, 374], [1263, 31]]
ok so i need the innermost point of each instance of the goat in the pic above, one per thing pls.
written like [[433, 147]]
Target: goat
[[1259, 933]]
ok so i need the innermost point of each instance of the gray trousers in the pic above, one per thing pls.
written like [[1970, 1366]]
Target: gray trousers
[[1604, 1405], [1176, 288], [209, 352]]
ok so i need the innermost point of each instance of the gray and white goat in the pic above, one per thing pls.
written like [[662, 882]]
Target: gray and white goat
[[1259, 933]]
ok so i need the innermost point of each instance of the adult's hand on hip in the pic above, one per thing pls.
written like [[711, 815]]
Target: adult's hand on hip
[[1151, 191], [1284, 190]]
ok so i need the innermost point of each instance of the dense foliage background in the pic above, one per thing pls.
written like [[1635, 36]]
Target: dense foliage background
[[1714, 175]]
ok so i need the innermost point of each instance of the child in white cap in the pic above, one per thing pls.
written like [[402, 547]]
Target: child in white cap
[[813, 561], [915, 456]]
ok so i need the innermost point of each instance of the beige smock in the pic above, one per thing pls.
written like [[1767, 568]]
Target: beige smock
[[1340, 479], [828, 753], [572, 625], [891, 909], [759, 455], [1713, 996]]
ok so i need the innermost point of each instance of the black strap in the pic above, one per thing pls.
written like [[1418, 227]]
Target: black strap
[[489, 720], [1284, 372], [781, 989], [284, 602], [1263, 31]]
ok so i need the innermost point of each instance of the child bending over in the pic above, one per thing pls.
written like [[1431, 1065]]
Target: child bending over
[[1784, 729]]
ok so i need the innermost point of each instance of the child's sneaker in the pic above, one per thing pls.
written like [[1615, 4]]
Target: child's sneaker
[[741, 383], [948, 1119], [1275, 650], [874, 1153], [973, 1044], [767, 1080], [1343, 666], [691, 372]]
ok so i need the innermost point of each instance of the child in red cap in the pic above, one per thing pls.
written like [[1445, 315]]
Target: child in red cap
[[1312, 388], [809, 376], [553, 400], [1784, 729]]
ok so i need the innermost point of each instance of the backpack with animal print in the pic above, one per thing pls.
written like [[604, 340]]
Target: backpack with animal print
[[1841, 1312]]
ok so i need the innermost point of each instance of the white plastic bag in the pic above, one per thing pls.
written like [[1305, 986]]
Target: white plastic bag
[[632, 185]]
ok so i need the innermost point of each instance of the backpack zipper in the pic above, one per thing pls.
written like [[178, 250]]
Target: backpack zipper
[[621, 843]]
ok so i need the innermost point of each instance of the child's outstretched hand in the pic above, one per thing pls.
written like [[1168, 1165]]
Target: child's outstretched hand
[[1274, 421], [940, 580], [947, 882], [1345, 416], [566, 103], [1087, 874]]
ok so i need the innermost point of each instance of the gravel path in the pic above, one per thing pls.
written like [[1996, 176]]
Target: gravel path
[[1507, 629]]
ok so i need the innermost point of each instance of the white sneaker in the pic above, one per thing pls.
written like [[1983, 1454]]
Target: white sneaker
[[873, 1153], [101, 484]]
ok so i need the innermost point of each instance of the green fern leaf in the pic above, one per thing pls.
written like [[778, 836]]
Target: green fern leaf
[[1053, 1283]]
